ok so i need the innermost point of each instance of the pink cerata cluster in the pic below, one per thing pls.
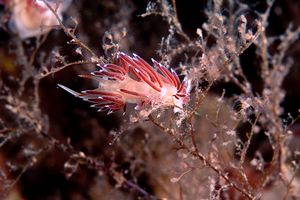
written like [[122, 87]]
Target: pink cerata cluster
[[30, 18], [133, 80]]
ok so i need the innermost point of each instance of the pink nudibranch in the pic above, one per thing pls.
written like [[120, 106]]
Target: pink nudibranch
[[31, 18], [133, 80]]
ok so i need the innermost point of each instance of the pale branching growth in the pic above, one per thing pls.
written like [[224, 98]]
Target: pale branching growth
[[222, 40]]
